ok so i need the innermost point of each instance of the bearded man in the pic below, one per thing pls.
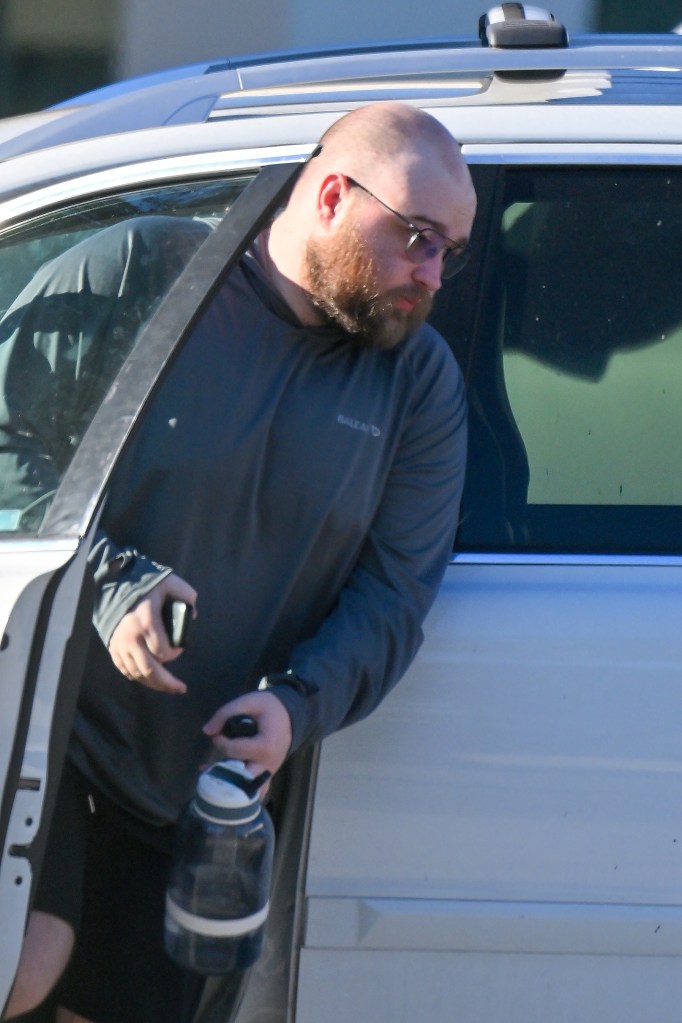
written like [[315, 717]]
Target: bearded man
[[297, 481]]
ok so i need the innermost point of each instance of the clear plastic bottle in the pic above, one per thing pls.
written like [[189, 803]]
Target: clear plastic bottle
[[219, 886]]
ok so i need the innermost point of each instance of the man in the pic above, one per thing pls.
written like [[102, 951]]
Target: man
[[297, 481]]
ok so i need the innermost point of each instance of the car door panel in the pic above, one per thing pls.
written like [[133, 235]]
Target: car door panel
[[515, 988], [47, 579], [522, 806], [37, 694]]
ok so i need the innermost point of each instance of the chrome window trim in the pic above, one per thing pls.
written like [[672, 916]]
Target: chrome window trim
[[148, 173], [36, 544], [575, 153], [603, 560]]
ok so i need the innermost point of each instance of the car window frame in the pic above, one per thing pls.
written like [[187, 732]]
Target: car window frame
[[112, 426], [490, 164]]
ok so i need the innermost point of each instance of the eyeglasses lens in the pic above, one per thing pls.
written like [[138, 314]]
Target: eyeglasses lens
[[455, 261], [421, 248]]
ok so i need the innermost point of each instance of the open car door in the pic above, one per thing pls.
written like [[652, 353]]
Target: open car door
[[78, 365]]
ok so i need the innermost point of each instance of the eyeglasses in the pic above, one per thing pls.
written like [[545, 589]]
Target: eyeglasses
[[425, 243]]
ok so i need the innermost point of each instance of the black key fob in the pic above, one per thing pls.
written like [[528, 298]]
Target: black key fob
[[176, 616], [240, 726]]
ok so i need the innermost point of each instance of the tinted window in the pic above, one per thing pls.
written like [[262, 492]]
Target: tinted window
[[77, 286], [576, 376]]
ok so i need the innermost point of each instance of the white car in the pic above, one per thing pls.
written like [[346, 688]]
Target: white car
[[501, 842]]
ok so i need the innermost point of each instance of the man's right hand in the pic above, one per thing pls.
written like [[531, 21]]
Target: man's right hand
[[139, 645]]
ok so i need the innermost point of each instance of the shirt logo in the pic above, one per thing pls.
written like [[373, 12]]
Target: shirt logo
[[355, 424]]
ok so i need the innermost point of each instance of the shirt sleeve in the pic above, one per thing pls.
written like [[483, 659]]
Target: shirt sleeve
[[122, 576], [375, 629]]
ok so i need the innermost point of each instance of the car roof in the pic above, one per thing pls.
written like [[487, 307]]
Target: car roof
[[167, 113]]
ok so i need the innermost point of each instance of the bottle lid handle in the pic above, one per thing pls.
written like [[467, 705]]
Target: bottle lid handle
[[248, 785]]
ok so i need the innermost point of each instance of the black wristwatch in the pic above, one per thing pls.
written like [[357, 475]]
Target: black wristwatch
[[288, 678]]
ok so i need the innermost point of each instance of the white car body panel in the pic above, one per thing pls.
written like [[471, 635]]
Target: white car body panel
[[181, 151], [475, 987], [26, 574], [507, 824]]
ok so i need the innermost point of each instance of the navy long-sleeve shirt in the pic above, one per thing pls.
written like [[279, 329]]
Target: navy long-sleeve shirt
[[308, 488]]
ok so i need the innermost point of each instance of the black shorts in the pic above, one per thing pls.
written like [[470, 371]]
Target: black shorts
[[105, 873]]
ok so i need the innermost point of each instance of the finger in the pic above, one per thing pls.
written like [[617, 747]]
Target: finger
[[181, 590], [238, 749], [164, 681], [140, 667], [258, 755], [128, 659], [240, 705], [175, 588], [247, 705], [158, 643], [138, 659]]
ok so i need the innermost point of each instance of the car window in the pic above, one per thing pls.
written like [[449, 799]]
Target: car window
[[77, 286], [576, 385]]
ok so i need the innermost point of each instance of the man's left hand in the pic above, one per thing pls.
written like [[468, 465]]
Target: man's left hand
[[267, 749]]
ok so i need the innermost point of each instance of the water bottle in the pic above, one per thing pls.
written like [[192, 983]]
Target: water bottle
[[219, 886]]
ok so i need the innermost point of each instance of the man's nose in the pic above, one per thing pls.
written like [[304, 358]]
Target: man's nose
[[428, 273]]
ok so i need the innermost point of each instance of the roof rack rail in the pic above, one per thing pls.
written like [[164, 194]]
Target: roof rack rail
[[520, 26]]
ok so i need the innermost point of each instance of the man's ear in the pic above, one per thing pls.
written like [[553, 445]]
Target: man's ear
[[332, 190]]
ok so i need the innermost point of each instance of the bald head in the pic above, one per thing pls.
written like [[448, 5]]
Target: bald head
[[403, 160], [384, 139], [383, 133]]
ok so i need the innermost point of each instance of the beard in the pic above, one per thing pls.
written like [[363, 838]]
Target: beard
[[341, 283]]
